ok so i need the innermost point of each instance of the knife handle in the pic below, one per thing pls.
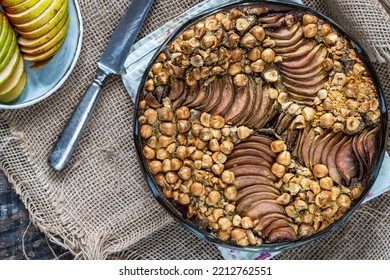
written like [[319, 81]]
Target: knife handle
[[67, 141]]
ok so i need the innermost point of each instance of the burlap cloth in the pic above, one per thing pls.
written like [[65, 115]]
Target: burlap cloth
[[100, 206]]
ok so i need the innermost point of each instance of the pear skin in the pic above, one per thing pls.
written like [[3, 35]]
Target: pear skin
[[15, 92], [32, 13], [24, 6], [13, 80]]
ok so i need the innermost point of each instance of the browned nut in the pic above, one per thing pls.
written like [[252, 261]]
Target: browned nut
[[219, 157], [183, 113], [240, 80], [176, 164], [327, 120], [217, 168], [224, 223], [247, 223], [358, 69], [320, 170], [353, 124], [196, 128], [290, 211], [197, 155], [268, 55], [284, 199], [242, 24], [223, 235], [306, 217], [152, 142], [164, 141], [207, 161], [149, 85], [356, 193], [339, 79], [287, 177], [230, 208], [168, 128], [254, 54], [278, 170], [325, 29], [166, 165], [165, 114], [171, 177], [162, 154], [205, 119], [217, 122], [197, 189], [142, 105], [335, 193], [228, 177], [269, 43], [331, 38], [226, 147], [284, 158], [162, 78], [315, 187], [236, 56], [258, 32], [248, 41], [142, 120], [310, 30], [271, 75], [149, 153], [326, 183], [328, 64], [185, 173], [181, 152], [155, 166], [309, 19], [343, 201], [300, 205], [184, 199], [183, 126], [205, 134], [305, 183], [244, 132], [258, 66], [213, 198], [305, 230], [209, 41], [146, 131], [216, 133], [199, 144], [230, 193], [214, 145], [278, 146], [238, 234], [171, 148], [323, 198]]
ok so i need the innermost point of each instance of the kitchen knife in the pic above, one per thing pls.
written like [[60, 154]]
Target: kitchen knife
[[111, 63]]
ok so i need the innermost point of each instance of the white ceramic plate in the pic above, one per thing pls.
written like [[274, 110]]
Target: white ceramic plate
[[43, 82]]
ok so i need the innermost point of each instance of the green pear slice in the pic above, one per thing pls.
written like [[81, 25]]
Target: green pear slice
[[32, 13], [44, 56], [9, 50], [16, 91], [9, 3], [13, 80], [33, 43], [4, 32], [10, 68], [43, 19], [24, 6], [48, 45]]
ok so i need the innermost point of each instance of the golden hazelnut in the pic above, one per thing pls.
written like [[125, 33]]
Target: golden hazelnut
[[287, 177], [171, 177], [339, 79], [230, 193], [165, 114], [238, 234], [258, 32], [320, 170], [207, 161], [325, 29], [168, 128], [230, 208], [148, 152], [157, 68], [223, 235], [240, 80], [217, 122], [278, 170], [183, 126], [306, 217], [323, 198], [162, 78], [254, 54], [185, 173], [176, 164], [166, 165], [228, 177], [183, 113], [300, 205], [199, 144], [327, 64], [308, 113], [258, 66], [358, 69], [284, 158], [305, 183], [205, 134], [290, 211], [327, 120], [146, 131], [213, 198], [268, 55], [216, 133], [152, 142], [310, 30], [247, 223], [195, 130], [353, 124], [181, 152], [331, 39], [242, 24], [184, 199], [142, 105], [271, 76], [217, 168], [278, 146], [343, 201], [214, 145], [322, 94], [244, 132], [356, 193], [164, 141], [161, 57], [197, 155], [149, 85], [209, 41], [197, 189], [162, 154], [226, 147], [326, 183], [269, 43], [224, 223], [309, 19], [205, 119], [248, 41], [142, 120], [315, 187], [155, 166], [284, 199], [335, 193], [236, 56]]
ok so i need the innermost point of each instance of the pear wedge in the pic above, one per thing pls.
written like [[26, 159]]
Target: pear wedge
[[16, 91], [8, 3], [10, 68], [13, 80], [24, 6], [9, 51], [33, 43], [40, 26], [5, 30], [32, 13], [44, 56]]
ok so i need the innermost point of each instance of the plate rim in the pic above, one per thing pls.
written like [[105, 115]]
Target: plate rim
[[64, 77]]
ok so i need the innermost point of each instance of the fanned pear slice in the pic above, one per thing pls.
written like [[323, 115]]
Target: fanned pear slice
[[33, 43], [6, 73], [15, 92], [24, 6], [49, 44], [30, 14], [4, 30], [13, 80], [10, 50], [5, 46], [46, 55], [9, 3], [46, 21]]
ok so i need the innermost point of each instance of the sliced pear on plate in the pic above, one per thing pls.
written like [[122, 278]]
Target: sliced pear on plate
[[32, 13], [42, 19], [33, 43], [8, 3], [10, 67], [9, 51], [13, 79], [24, 6], [16, 91], [44, 56]]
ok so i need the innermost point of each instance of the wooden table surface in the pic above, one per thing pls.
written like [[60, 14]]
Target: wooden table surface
[[19, 239]]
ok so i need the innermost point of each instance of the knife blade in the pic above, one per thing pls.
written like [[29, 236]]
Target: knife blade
[[110, 63]]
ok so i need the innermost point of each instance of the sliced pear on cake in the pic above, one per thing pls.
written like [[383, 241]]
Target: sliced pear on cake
[[47, 38], [15, 84], [19, 8]]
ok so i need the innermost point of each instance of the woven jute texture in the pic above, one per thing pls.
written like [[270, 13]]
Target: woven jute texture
[[100, 206]]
